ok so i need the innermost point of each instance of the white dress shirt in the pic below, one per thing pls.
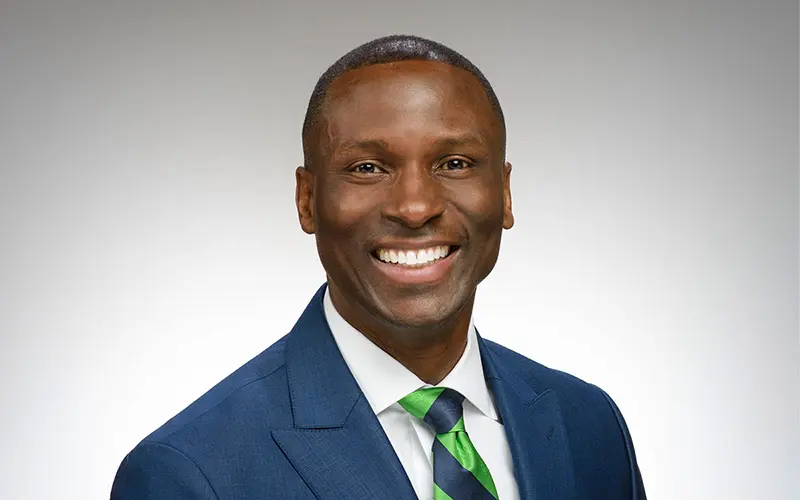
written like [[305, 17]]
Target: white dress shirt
[[384, 381]]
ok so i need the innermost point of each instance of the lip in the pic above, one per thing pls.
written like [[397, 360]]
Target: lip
[[424, 275]]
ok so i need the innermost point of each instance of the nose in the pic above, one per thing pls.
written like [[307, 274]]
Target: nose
[[415, 198]]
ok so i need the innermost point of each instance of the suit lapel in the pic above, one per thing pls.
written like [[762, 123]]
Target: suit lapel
[[337, 444], [535, 431], [340, 450]]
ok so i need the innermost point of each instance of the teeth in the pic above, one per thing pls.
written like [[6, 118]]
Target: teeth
[[414, 258]]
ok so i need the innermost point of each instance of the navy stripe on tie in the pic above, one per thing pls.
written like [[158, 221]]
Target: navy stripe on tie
[[445, 412], [454, 479]]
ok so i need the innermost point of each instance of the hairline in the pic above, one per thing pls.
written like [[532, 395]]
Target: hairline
[[388, 50]]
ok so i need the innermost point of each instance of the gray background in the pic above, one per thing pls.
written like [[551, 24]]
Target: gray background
[[150, 243]]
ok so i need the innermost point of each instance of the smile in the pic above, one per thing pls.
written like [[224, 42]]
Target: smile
[[424, 266], [413, 258]]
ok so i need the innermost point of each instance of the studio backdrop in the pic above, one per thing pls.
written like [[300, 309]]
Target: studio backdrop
[[149, 242]]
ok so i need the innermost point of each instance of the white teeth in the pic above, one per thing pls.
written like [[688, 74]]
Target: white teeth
[[413, 258]]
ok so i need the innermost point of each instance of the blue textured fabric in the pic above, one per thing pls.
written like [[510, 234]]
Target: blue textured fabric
[[445, 411], [292, 424]]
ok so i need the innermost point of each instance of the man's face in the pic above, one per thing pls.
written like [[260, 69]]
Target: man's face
[[407, 192]]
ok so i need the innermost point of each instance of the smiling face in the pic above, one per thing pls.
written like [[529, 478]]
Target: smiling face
[[407, 193]]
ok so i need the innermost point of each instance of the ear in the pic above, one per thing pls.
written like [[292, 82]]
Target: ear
[[304, 198], [508, 215]]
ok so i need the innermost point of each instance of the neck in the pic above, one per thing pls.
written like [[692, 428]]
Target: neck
[[432, 358], [430, 351]]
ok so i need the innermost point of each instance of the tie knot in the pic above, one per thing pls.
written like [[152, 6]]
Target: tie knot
[[439, 407]]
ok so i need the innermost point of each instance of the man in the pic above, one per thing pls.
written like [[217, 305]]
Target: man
[[384, 389]]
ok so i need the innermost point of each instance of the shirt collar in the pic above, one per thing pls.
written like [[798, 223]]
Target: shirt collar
[[384, 380]]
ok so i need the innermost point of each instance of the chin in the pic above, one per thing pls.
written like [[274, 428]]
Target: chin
[[422, 312]]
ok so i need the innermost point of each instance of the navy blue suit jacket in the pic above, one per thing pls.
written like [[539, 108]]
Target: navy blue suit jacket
[[293, 424]]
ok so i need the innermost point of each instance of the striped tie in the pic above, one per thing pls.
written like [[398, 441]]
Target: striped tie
[[458, 471]]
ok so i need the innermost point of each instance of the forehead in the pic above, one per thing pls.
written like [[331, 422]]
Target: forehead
[[408, 97]]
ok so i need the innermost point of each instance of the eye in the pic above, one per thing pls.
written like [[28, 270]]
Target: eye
[[366, 168], [456, 164]]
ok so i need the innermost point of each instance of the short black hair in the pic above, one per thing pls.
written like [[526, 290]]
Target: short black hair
[[388, 49]]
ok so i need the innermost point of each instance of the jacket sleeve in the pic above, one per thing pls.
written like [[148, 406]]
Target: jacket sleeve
[[156, 471], [637, 485]]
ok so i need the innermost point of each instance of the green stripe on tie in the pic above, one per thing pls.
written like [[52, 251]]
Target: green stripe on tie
[[419, 402], [459, 471]]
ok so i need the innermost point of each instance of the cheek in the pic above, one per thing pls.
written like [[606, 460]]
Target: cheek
[[482, 209], [344, 212], [483, 206]]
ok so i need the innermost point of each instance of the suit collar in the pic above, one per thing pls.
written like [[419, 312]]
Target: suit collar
[[337, 444], [500, 374], [535, 429], [322, 389]]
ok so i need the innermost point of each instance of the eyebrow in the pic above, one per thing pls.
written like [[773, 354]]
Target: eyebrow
[[368, 144], [461, 140], [380, 144]]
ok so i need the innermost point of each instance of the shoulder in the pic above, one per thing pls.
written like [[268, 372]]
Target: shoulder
[[601, 447], [258, 389], [227, 427], [584, 404], [540, 377]]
